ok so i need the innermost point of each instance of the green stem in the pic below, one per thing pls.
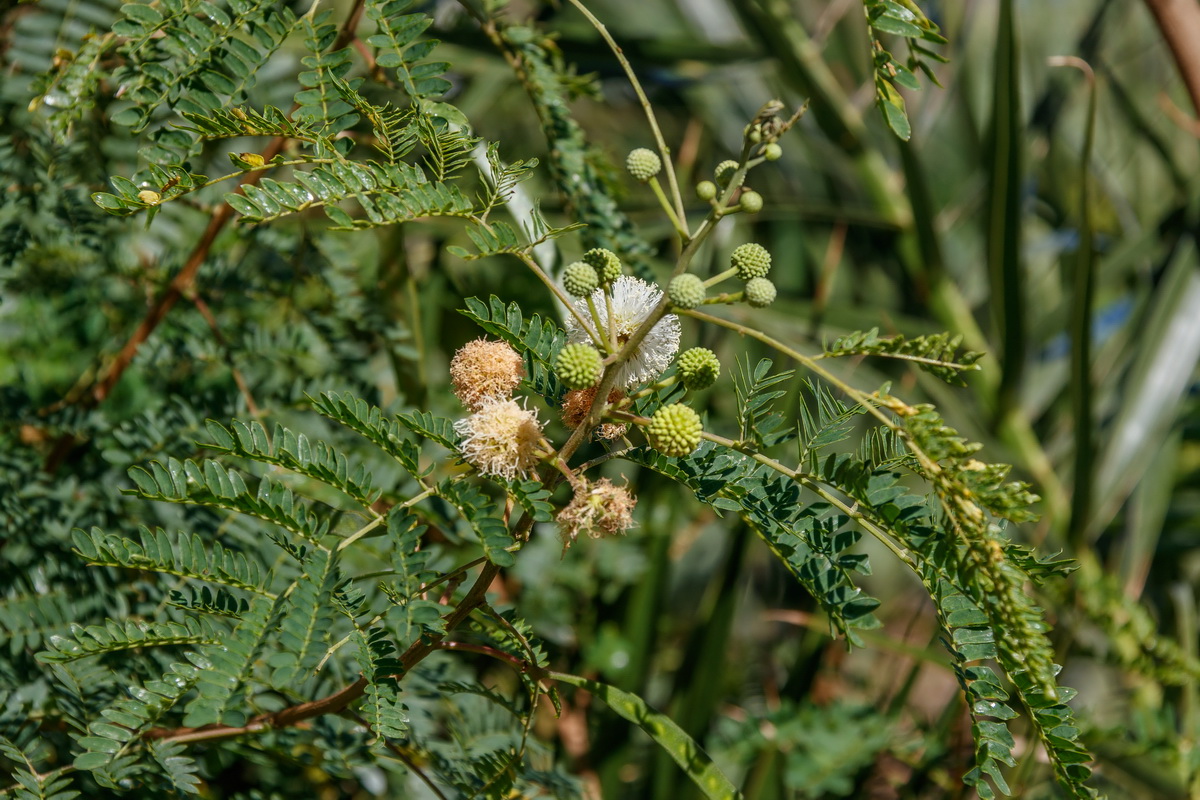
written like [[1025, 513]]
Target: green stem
[[361, 532], [612, 325], [562, 296], [600, 329], [680, 228], [715, 279], [663, 150]]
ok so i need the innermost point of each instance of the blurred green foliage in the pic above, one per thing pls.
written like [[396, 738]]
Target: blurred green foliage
[[967, 215]]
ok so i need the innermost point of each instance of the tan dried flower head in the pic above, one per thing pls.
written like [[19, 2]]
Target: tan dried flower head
[[611, 430], [501, 439], [597, 509], [575, 406], [483, 371]]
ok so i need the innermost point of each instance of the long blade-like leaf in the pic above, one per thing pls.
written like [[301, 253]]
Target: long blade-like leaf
[[662, 729]]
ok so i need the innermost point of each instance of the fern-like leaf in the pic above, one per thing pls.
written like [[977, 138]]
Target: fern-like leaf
[[295, 452], [184, 555], [107, 740], [233, 663], [756, 395], [308, 621], [370, 422], [938, 354], [114, 637], [478, 511], [214, 486]]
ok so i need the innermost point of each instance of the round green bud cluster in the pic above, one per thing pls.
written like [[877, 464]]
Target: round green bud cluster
[[643, 164], [753, 133], [706, 190], [698, 368], [724, 172], [772, 152], [760, 292], [578, 366], [605, 262], [751, 260], [686, 290], [751, 202], [580, 279], [675, 430]]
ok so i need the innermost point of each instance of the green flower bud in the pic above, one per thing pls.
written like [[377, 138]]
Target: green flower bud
[[605, 262], [706, 190], [580, 279], [675, 430], [751, 261], [686, 290], [698, 368], [753, 133], [772, 152], [751, 202], [643, 164], [760, 292], [578, 366], [724, 172]]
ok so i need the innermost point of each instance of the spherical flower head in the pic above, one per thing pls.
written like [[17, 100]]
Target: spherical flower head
[[598, 509], [772, 152], [580, 279], [760, 292], [706, 190], [482, 371], [643, 164], [501, 439], [686, 290], [724, 172], [578, 366], [751, 202], [605, 262], [576, 404], [675, 430], [751, 261], [632, 301], [698, 368]]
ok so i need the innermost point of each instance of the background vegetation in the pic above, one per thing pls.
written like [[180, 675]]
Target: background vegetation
[[1060, 244]]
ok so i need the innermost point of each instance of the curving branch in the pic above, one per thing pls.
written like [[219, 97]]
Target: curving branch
[[341, 699]]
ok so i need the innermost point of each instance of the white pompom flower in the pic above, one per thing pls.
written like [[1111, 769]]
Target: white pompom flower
[[501, 439], [632, 301]]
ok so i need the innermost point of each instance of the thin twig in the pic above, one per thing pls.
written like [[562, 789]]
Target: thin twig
[[400, 754], [663, 150], [339, 700], [238, 378]]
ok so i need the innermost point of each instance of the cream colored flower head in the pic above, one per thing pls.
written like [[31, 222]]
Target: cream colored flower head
[[483, 371], [597, 509], [632, 301], [501, 439]]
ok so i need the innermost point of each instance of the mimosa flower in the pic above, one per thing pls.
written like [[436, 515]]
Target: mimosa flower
[[501, 439], [632, 301], [483, 371]]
